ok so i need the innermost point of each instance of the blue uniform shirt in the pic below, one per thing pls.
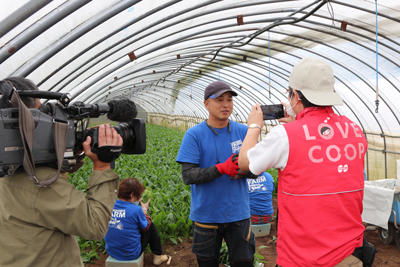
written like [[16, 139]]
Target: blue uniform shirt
[[221, 200], [123, 235], [260, 194]]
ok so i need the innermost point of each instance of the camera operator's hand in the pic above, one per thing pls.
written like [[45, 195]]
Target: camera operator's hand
[[108, 136]]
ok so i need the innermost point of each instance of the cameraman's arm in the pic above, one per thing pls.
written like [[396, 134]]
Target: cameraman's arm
[[102, 186], [193, 174]]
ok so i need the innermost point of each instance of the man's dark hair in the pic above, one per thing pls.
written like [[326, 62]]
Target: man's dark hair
[[303, 99], [21, 84]]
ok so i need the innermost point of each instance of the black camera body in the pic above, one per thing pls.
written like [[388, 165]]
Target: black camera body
[[132, 131]]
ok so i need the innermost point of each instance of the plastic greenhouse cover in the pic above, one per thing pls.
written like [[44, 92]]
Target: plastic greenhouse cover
[[82, 47]]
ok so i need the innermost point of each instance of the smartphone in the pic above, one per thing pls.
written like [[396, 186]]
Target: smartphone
[[272, 112]]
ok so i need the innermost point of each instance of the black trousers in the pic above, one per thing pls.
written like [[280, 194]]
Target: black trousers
[[151, 237]]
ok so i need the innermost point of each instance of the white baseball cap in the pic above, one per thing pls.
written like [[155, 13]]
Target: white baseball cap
[[314, 78]]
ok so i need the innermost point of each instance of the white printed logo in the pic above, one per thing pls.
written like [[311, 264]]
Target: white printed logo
[[343, 168], [236, 146]]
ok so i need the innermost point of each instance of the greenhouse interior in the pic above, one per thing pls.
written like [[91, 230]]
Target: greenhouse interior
[[161, 54]]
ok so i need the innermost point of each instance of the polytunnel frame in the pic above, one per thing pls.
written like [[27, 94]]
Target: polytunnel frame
[[371, 112], [337, 49], [382, 135], [66, 41], [287, 44], [339, 3], [203, 75]]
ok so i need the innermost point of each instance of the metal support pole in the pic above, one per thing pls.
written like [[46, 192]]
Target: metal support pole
[[90, 24], [39, 27], [20, 15]]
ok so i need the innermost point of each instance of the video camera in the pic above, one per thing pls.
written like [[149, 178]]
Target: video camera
[[76, 116]]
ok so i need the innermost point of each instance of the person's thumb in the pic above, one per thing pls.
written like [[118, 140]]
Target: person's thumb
[[86, 144]]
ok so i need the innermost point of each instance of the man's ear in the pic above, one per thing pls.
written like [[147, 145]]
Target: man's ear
[[206, 103]]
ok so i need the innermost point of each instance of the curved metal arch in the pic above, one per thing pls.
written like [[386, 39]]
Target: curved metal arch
[[157, 64], [357, 76], [356, 114], [336, 35], [282, 33], [131, 35], [186, 97], [46, 54], [40, 26], [348, 106], [212, 78], [262, 86], [147, 103], [164, 45], [20, 15], [140, 77], [200, 108], [243, 82], [168, 25]]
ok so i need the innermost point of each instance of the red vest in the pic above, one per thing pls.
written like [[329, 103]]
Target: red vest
[[320, 191]]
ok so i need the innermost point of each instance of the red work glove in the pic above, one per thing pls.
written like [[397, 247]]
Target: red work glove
[[230, 166]]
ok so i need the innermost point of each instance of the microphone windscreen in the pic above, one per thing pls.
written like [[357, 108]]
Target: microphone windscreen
[[123, 110]]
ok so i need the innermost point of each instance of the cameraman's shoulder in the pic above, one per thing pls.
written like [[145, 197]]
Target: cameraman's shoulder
[[99, 177]]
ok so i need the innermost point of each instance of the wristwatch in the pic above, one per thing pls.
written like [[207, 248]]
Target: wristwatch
[[254, 125]]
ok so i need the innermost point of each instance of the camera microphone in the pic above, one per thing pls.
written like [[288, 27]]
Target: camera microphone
[[121, 110]]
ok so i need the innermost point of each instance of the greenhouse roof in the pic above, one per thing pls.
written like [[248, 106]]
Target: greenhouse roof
[[162, 54]]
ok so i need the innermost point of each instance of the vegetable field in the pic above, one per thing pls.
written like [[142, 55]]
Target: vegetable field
[[161, 175]]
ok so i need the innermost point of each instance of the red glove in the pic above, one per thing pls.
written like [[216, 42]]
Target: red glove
[[230, 166]]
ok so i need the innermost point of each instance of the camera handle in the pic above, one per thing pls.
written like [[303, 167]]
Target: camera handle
[[26, 128]]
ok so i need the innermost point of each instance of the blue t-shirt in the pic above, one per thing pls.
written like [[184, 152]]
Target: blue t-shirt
[[123, 235], [260, 194], [221, 200]]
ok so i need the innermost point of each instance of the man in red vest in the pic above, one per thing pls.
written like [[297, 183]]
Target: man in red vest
[[320, 157]]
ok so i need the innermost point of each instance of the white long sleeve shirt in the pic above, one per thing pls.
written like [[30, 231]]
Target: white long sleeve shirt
[[271, 152]]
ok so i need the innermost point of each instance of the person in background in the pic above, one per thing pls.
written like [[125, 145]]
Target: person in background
[[130, 229], [260, 198], [219, 202], [320, 157], [39, 225]]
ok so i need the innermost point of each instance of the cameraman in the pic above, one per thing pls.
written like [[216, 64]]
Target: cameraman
[[38, 225]]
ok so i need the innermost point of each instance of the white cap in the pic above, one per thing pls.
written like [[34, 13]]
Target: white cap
[[314, 78]]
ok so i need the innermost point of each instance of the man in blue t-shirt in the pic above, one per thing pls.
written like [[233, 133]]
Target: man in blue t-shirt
[[260, 198], [219, 203]]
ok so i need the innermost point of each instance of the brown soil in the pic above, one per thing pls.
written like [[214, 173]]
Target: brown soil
[[182, 256]]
